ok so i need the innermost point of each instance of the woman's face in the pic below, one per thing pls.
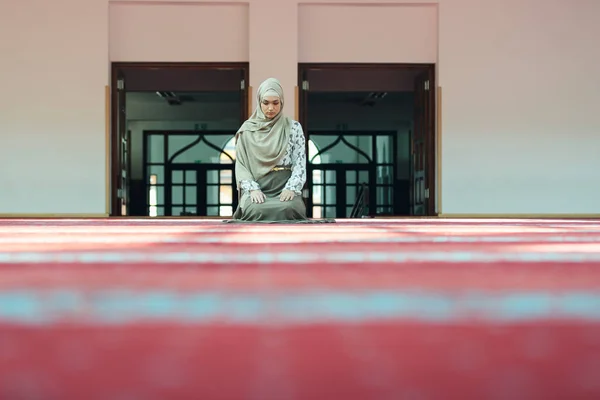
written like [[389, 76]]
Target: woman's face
[[271, 105]]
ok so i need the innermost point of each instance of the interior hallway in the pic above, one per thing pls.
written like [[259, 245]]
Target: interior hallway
[[360, 309]]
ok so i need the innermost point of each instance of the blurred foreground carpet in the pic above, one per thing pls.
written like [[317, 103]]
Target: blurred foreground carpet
[[377, 309]]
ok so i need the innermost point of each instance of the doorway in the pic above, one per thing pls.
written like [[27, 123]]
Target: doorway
[[387, 113], [347, 162], [171, 99], [190, 173]]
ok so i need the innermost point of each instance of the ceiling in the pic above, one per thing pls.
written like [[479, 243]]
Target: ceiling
[[184, 97]]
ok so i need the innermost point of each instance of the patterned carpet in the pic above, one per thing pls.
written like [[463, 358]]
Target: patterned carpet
[[360, 309]]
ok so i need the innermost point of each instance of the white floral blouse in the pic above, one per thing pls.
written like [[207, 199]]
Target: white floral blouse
[[295, 157]]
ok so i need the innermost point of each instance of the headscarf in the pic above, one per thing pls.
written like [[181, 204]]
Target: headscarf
[[261, 142]]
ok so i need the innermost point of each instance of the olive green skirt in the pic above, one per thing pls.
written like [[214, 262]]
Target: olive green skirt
[[273, 210]]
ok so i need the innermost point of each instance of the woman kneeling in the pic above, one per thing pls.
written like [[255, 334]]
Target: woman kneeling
[[270, 164]]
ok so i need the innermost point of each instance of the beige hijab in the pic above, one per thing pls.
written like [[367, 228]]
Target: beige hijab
[[261, 142]]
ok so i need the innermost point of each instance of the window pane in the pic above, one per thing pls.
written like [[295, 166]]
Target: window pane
[[156, 151], [225, 176], [177, 177], [317, 212], [384, 175], [212, 195], [176, 211], [350, 177], [330, 176], [190, 176], [226, 211], [212, 211], [363, 177], [384, 149], [350, 193], [191, 210], [342, 153], [212, 156], [317, 176], [176, 194], [330, 212], [190, 194], [318, 194], [225, 194], [381, 195], [160, 195], [330, 194], [348, 212], [365, 143], [158, 171], [212, 176], [190, 155]]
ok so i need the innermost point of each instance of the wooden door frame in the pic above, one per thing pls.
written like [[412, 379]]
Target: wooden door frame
[[117, 67], [432, 145]]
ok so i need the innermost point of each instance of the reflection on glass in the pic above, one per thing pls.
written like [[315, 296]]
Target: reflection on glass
[[228, 150], [384, 174], [158, 171], [225, 176], [318, 194], [225, 211], [152, 197], [317, 212], [384, 149], [225, 194], [317, 176]]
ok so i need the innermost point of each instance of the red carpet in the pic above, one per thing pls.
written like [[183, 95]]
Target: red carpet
[[375, 309]]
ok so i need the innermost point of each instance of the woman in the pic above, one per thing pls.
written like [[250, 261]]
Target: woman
[[270, 164]]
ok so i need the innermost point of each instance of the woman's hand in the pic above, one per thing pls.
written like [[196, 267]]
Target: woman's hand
[[257, 196], [287, 195]]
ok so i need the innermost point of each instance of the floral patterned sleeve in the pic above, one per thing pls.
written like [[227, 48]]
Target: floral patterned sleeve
[[298, 178], [247, 185]]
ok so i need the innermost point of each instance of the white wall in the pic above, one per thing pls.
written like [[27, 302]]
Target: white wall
[[392, 33], [521, 95], [519, 80], [52, 112], [183, 32]]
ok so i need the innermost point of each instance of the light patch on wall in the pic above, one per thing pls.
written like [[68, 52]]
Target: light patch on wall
[[178, 32], [396, 33]]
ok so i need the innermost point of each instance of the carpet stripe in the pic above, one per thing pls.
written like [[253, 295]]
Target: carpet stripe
[[120, 306], [261, 257]]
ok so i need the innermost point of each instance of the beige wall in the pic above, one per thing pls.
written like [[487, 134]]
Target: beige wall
[[519, 78]]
